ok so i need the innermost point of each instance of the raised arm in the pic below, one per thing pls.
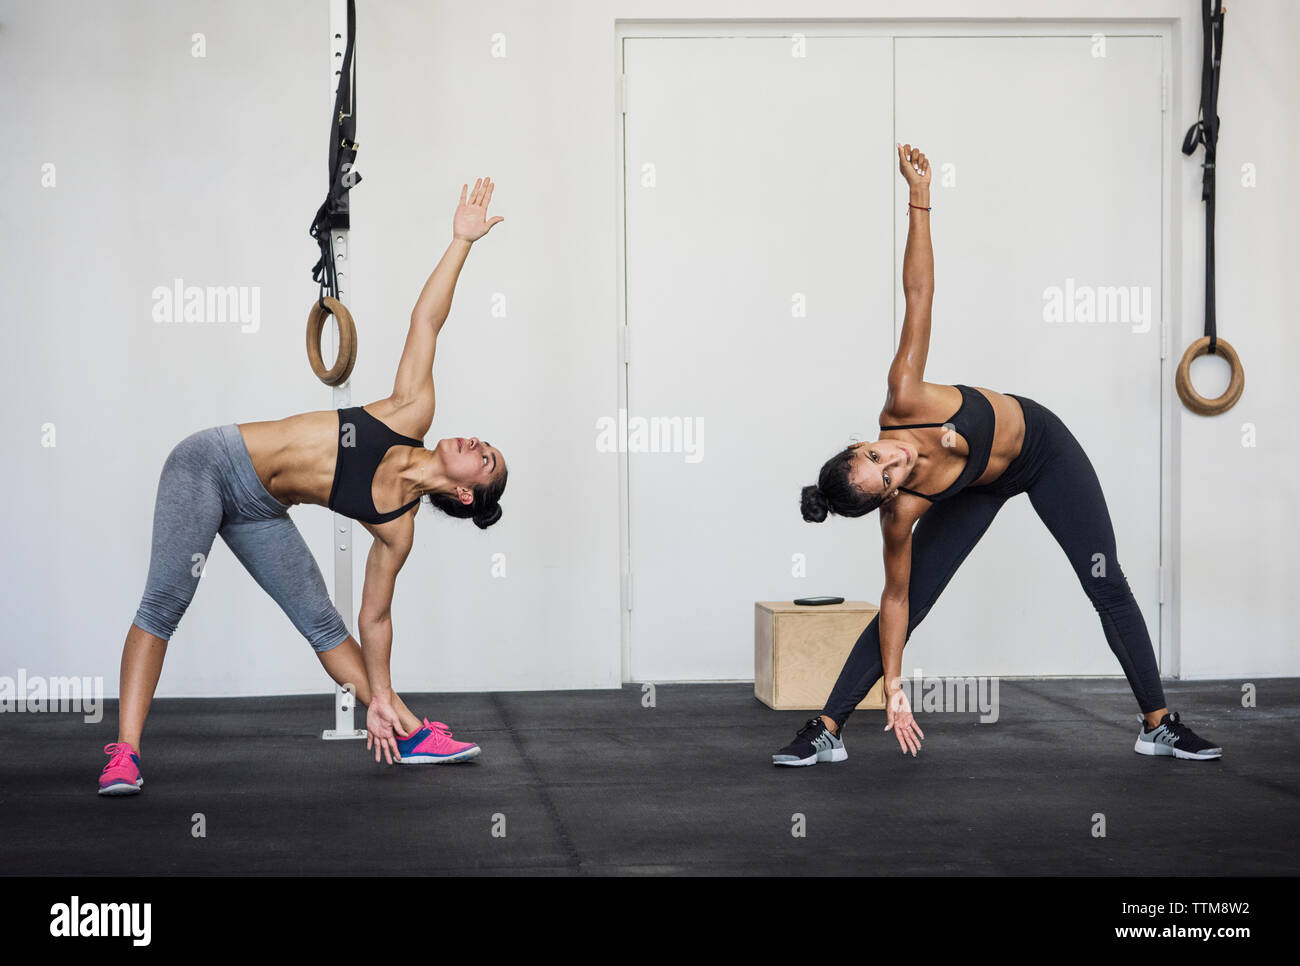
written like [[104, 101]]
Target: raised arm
[[415, 371], [907, 373]]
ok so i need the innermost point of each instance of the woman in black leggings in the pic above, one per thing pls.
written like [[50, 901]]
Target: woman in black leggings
[[948, 479]]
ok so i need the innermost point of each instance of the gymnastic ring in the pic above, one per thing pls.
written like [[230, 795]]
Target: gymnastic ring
[[347, 357], [1192, 399]]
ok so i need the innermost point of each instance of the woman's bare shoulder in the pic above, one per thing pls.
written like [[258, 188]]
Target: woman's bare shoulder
[[410, 417], [397, 534], [930, 402]]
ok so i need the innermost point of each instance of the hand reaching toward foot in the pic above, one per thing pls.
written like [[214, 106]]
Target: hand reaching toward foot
[[899, 714]]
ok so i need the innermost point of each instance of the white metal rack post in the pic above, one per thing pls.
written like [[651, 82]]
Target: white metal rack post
[[341, 532]]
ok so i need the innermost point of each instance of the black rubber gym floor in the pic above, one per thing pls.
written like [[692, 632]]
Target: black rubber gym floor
[[591, 782]]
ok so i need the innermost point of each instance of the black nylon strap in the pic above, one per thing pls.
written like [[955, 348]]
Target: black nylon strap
[[333, 212], [1206, 131]]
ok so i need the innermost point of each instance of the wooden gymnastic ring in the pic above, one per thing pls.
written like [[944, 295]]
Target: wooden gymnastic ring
[[347, 357], [1192, 399]]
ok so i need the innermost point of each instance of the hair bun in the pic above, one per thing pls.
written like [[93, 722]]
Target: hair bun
[[814, 505], [489, 518]]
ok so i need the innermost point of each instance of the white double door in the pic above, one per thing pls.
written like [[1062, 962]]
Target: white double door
[[765, 228]]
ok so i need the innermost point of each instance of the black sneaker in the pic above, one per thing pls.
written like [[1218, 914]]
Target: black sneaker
[[812, 744], [1172, 737]]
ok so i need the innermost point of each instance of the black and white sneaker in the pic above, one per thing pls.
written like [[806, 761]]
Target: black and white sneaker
[[812, 744], [1172, 737]]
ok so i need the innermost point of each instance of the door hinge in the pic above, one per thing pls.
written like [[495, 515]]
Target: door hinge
[[627, 344], [627, 591], [1161, 577], [1164, 337], [1164, 91], [621, 93]]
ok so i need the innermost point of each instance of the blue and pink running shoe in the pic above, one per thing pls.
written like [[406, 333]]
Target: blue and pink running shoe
[[121, 776], [432, 743]]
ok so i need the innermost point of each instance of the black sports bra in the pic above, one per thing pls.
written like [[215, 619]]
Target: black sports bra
[[975, 422], [367, 439]]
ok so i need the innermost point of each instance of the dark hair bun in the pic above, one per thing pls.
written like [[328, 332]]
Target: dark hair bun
[[814, 506], [489, 518]]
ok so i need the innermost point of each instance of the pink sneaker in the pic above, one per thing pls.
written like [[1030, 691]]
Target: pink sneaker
[[433, 744], [121, 776]]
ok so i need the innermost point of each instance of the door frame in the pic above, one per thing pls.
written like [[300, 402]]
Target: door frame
[[1165, 30]]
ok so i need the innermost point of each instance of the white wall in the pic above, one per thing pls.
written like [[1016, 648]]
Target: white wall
[[167, 166], [1237, 562], [210, 169]]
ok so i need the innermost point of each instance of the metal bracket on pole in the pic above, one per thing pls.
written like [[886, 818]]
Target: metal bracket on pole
[[341, 530]]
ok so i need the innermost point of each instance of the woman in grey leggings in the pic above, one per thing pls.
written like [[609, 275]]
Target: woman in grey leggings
[[938, 480], [239, 481]]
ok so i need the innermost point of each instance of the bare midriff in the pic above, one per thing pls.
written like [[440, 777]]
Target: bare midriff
[[1008, 434], [294, 457]]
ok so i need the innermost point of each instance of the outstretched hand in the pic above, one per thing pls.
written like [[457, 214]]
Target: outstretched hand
[[381, 724], [913, 165], [906, 730], [471, 221]]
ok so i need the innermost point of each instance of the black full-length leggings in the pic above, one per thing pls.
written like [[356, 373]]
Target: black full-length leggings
[[1063, 488]]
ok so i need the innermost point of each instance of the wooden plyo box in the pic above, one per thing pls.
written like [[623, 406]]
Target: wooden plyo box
[[799, 651]]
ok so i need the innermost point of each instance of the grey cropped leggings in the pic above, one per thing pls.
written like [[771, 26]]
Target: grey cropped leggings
[[208, 486]]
